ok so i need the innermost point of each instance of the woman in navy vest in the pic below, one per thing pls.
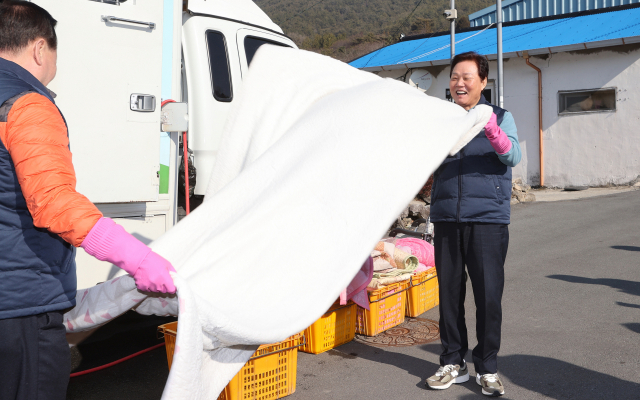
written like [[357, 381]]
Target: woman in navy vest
[[470, 209]]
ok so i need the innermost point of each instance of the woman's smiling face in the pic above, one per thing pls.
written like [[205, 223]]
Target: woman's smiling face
[[465, 84]]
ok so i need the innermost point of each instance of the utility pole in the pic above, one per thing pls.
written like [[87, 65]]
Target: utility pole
[[452, 15], [500, 91], [453, 30]]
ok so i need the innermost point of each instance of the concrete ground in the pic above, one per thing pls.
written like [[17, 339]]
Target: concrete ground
[[571, 325], [560, 194]]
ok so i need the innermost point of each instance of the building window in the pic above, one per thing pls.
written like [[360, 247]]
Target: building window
[[219, 66], [586, 101], [447, 95], [252, 44], [489, 91]]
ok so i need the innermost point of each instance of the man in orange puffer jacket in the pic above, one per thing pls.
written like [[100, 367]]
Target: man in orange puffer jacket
[[42, 217]]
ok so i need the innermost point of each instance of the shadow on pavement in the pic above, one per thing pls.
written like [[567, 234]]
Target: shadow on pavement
[[628, 304], [628, 287], [549, 377], [140, 378], [433, 348], [123, 336], [633, 326], [627, 248], [478, 396], [562, 380], [416, 366]]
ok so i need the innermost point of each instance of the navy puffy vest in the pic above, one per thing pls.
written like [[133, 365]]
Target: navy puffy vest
[[37, 267], [473, 185]]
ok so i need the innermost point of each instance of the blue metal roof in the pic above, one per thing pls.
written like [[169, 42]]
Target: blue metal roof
[[517, 10], [542, 37]]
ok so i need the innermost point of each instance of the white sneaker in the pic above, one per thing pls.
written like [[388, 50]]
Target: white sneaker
[[448, 375], [491, 384]]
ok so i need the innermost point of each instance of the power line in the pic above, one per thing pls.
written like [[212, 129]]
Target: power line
[[410, 60], [396, 32], [406, 19], [420, 45]]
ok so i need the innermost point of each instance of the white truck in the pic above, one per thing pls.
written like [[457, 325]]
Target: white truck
[[118, 60]]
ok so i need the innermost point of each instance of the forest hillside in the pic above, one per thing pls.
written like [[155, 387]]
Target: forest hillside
[[347, 29]]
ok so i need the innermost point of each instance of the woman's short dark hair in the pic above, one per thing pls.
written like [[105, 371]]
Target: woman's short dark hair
[[481, 62], [22, 22]]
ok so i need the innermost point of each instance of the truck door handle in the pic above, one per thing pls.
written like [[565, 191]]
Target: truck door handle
[[142, 102], [111, 18]]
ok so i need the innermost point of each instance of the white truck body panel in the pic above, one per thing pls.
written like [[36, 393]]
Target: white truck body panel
[[207, 114], [117, 152], [238, 10], [100, 64]]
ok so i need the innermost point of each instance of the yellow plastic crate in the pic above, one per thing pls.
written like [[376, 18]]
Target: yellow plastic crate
[[169, 331], [336, 327], [422, 294], [270, 373], [387, 309]]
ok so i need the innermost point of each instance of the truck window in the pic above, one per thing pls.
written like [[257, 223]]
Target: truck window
[[252, 44], [219, 66]]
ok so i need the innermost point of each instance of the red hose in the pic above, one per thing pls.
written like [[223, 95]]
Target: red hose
[[111, 364], [186, 176], [185, 153]]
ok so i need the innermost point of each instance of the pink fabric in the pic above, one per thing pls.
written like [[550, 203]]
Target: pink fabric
[[419, 248], [108, 241], [499, 140], [421, 268], [343, 297], [356, 290]]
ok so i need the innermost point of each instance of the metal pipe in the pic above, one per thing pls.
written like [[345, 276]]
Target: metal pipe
[[453, 31], [539, 117], [500, 90], [185, 156]]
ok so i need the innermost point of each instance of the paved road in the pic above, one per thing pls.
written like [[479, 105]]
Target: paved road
[[571, 322]]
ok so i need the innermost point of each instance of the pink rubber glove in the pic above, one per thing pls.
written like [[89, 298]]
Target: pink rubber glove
[[499, 140], [108, 241]]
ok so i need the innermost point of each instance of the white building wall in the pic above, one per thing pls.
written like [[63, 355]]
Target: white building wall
[[591, 149], [598, 148]]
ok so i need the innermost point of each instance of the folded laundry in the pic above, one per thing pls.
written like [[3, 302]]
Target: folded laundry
[[395, 272], [382, 261], [419, 248], [387, 277], [405, 260], [377, 283], [386, 255]]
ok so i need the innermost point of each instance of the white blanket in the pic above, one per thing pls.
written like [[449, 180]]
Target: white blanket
[[317, 161]]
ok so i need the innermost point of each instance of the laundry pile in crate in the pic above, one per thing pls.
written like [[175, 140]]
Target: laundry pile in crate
[[397, 260], [392, 260], [308, 136]]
